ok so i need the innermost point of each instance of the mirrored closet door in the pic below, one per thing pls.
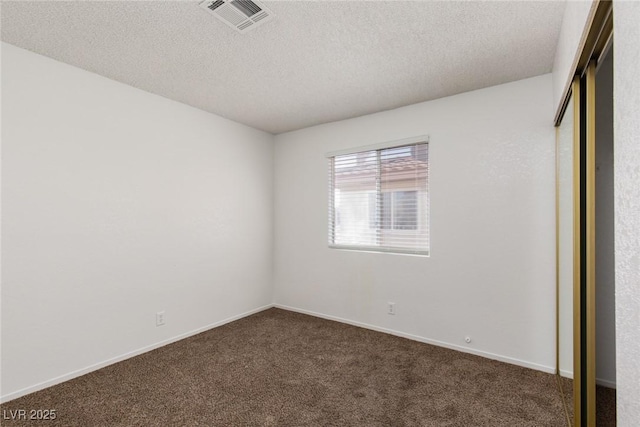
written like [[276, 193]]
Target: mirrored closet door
[[584, 213]]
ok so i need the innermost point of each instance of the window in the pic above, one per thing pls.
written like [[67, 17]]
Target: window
[[399, 210], [378, 198]]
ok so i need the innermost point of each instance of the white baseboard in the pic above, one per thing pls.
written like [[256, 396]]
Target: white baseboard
[[96, 366], [599, 381], [606, 383], [510, 360], [566, 374]]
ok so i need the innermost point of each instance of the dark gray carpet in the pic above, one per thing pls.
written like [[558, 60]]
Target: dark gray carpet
[[605, 406], [288, 369]]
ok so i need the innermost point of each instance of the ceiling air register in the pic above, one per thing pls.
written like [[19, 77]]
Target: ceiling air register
[[241, 15]]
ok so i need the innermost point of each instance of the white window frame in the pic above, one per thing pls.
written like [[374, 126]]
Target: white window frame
[[422, 139]]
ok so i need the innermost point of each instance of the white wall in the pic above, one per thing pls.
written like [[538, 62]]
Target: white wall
[[627, 209], [577, 15], [491, 274], [605, 265], [117, 204]]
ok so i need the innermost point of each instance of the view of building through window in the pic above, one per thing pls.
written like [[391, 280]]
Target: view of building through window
[[379, 199]]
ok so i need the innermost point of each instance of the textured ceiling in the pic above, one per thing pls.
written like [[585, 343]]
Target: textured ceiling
[[316, 62]]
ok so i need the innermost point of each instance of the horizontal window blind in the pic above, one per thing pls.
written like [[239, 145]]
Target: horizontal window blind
[[379, 200]]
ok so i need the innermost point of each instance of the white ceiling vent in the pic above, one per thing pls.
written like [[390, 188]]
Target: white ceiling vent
[[242, 15]]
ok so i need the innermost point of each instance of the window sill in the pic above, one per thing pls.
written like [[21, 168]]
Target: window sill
[[378, 250]]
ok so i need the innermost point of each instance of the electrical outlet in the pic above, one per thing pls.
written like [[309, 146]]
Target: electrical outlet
[[391, 308], [160, 318]]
